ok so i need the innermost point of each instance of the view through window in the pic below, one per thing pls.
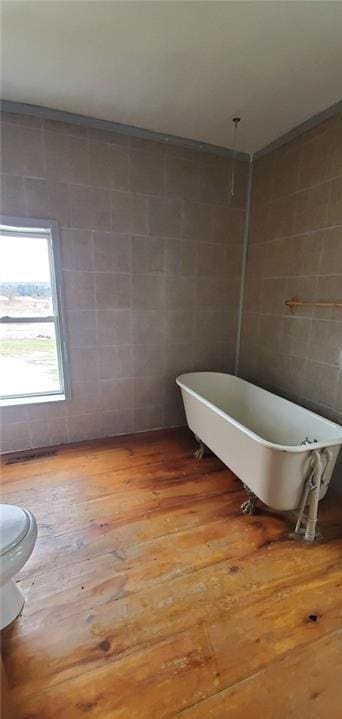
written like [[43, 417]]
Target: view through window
[[30, 336]]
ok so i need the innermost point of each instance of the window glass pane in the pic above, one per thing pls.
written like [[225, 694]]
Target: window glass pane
[[25, 286], [28, 359]]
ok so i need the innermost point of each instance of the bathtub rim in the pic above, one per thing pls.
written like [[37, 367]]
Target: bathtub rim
[[276, 447]]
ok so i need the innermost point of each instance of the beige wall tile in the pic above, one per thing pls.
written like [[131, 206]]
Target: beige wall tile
[[112, 290], [197, 221], [182, 179], [15, 437], [148, 327], [179, 358], [181, 257], [148, 391], [179, 292], [311, 208], [11, 414], [334, 213], [286, 170], [48, 433], [112, 252], [47, 199], [116, 421], [280, 217], [270, 331], [134, 236], [273, 296], [336, 155], [148, 360], [315, 160], [179, 325], [76, 250], [331, 254], [115, 362], [215, 183], [295, 333], [320, 383], [174, 415], [252, 295], [12, 195], [165, 217], [147, 172], [228, 224], [261, 260], [84, 364], [326, 342], [108, 166], [148, 254], [218, 357], [44, 411], [215, 326], [114, 327], [129, 212], [211, 260], [146, 418], [306, 252], [79, 290], [259, 223], [338, 403], [233, 261], [329, 288], [85, 398], [116, 394], [306, 289], [263, 180], [296, 196], [148, 292], [67, 157], [291, 376], [81, 328], [22, 150], [90, 208], [250, 347], [85, 426]]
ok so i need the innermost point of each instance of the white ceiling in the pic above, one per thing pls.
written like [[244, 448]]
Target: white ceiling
[[183, 68]]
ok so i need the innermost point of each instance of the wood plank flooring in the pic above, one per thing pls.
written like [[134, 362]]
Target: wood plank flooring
[[150, 596]]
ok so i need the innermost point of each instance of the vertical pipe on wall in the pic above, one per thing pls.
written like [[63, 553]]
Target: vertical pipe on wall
[[243, 266]]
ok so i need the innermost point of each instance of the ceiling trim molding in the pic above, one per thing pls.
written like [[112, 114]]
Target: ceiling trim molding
[[22, 108], [299, 129]]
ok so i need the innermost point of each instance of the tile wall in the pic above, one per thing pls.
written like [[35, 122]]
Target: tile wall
[[295, 250], [151, 255]]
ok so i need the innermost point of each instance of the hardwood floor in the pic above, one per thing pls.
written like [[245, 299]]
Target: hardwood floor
[[149, 595]]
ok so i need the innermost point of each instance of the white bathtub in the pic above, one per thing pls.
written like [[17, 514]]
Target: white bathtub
[[259, 435]]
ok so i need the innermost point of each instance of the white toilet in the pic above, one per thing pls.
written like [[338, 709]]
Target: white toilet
[[18, 534]]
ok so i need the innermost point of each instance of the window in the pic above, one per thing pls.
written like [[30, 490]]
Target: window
[[32, 345]]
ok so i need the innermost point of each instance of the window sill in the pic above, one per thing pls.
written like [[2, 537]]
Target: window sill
[[39, 399]]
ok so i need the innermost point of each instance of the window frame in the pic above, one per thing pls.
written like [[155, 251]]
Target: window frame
[[51, 227]]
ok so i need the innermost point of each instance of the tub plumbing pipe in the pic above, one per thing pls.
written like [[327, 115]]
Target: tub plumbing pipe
[[311, 495], [310, 530]]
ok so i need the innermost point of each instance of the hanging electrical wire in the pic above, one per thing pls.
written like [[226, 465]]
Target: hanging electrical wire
[[236, 121]]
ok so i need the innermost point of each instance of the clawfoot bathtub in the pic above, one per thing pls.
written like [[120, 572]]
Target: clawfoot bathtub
[[283, 453]]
